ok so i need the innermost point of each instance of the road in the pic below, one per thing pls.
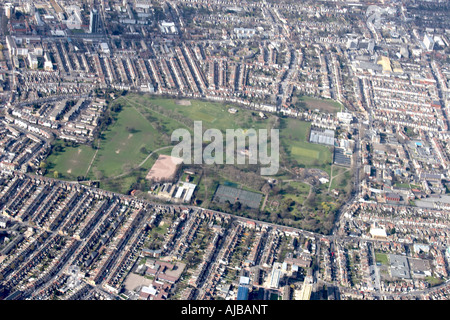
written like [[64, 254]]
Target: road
[[305, 233]]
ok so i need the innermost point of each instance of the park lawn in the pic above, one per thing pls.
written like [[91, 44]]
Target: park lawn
[[162, 122], [341, 177], [302, 191], [299, 195], [294, 135], [382, 258], [206, 189], [433, 281], [71, 162], [300, 152], [324, 105], [119, 185], [160, 229], [212, 114], [120, 147], [300, 186]]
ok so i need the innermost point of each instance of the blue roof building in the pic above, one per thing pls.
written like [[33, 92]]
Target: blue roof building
[[242, 293]]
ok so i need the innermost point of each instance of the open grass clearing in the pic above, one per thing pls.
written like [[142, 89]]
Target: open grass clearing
[[324, 105], [71, 162]]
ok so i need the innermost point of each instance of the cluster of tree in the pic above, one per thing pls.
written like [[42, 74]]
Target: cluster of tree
[[108, 117], [131, 130]]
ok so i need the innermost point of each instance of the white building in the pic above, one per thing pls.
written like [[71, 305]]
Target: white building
[[9, 9], [378, 233], [168, 27], [104, 47], [143, 4], [3, 222], [244, 32], [275, 276], [345, 117], [48, 65], [428, 42], [74, 20], [33, 61]]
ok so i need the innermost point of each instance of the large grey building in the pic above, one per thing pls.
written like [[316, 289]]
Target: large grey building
[[322, 136], [94, 21], [399, 266]]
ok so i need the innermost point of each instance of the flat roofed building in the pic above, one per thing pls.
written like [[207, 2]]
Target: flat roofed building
[[275, 276], [419, 268], [345, 117], [94, 21], [378, 233], [244, 32], [242, 293], [33, 61], [319, 136], [399, 266]]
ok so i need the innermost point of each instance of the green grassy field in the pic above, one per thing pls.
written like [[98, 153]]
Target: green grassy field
[[341, 177], [212, 114], [294, 136], [382, 258], [145, 124], [301, 191], [324, 105], [299, 152], [120, 148], [71, 162]]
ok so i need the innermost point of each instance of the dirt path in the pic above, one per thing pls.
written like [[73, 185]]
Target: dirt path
[[289, 180], [140, 165], [331, 176], [264, 203], [145, 160], [93, 158]]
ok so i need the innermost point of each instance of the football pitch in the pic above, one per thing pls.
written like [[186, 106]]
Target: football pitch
[[305, 152], [294, 136], [324, 105]]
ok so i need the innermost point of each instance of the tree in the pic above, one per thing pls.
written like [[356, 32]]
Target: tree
[[43, 165], [56, 174]]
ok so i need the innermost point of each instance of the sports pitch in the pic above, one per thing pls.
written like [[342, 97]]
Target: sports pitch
[[294, 137], [324, 105], [233, 195], [305, 152]]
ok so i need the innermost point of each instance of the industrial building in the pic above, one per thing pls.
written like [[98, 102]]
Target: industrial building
[[322, 136]]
